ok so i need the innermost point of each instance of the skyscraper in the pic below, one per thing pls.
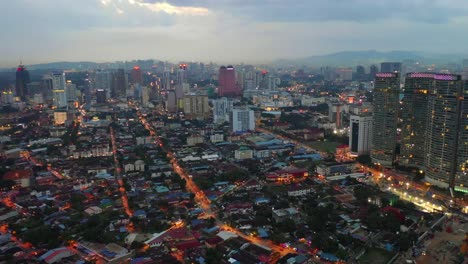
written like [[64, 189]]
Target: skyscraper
[[385, 104], [120, 83], [360, 134], [360, 73], [136, 76], [414, 116], [227, 82], [447, 134], [59, 90], [390, 67], [103, 81], [22, 79]]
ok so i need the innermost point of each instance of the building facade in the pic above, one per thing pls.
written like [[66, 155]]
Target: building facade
[[196, 106], [360, 134], [242, 120], [384, 128], [221, 110], [414, 115], [227, 82]]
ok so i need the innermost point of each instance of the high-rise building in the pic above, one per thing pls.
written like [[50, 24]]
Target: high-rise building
[[59, 90], [22, 79], [101, 96], [166, 81], [120, 83], [71, 91], [242, 120], [145, 91], [136, 75], [360, 73], [103, 81], [360, 134], [196, 106], [171, 104], [384, 128], [414, 116], [373, 69], [447, 134], [221, 110], [7, 97], [390, 67], [227, 82]]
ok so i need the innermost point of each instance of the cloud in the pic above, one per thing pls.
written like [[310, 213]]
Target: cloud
[[224, 30], [157, 7]]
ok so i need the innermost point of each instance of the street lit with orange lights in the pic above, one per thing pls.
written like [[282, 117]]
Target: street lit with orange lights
[[206, 204]]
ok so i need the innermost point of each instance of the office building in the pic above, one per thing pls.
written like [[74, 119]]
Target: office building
[[103, 81], [120, 83], [145, 91], [384, 128], [447, 132], [171, 103], [71, 91], [221, 110], [414, 116], [360, 134], [196, 107], [227, 82], [136, 75], [242, 120], [101, 96], [390, 67], [360, 73], [22, 79], [59, 90]]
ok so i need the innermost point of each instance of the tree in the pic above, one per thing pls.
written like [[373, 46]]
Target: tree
[[364, 159], [212, 256]]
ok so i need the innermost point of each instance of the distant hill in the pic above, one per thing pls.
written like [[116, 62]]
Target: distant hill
[[353, 58]]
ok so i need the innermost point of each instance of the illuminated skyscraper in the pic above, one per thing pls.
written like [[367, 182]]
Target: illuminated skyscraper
[[59, 90], [446, 161], [414, 115], [384, 130], [227, 82], [22, 79]]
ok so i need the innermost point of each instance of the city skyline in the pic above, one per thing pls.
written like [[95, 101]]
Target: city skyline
[[263, 31]]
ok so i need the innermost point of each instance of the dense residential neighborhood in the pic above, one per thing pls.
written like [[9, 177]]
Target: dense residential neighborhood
[[161, 175]]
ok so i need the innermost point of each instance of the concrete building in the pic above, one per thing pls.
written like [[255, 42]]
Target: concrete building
[[60, 117], [227, 82], [59, 90], [360, 134], [384, 128], [221, 110], [196, 107], [446, 147], [242, 120], [418, 87]]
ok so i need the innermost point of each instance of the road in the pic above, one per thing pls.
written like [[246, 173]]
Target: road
[[119, 178], [205, 203]]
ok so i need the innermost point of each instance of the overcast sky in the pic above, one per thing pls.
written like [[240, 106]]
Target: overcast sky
[[37, 31]]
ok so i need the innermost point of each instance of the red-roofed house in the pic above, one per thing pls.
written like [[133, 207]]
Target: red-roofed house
[[21, 177]]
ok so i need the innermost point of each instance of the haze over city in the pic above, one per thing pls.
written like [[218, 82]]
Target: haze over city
[[234, 132], [224, 31]]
